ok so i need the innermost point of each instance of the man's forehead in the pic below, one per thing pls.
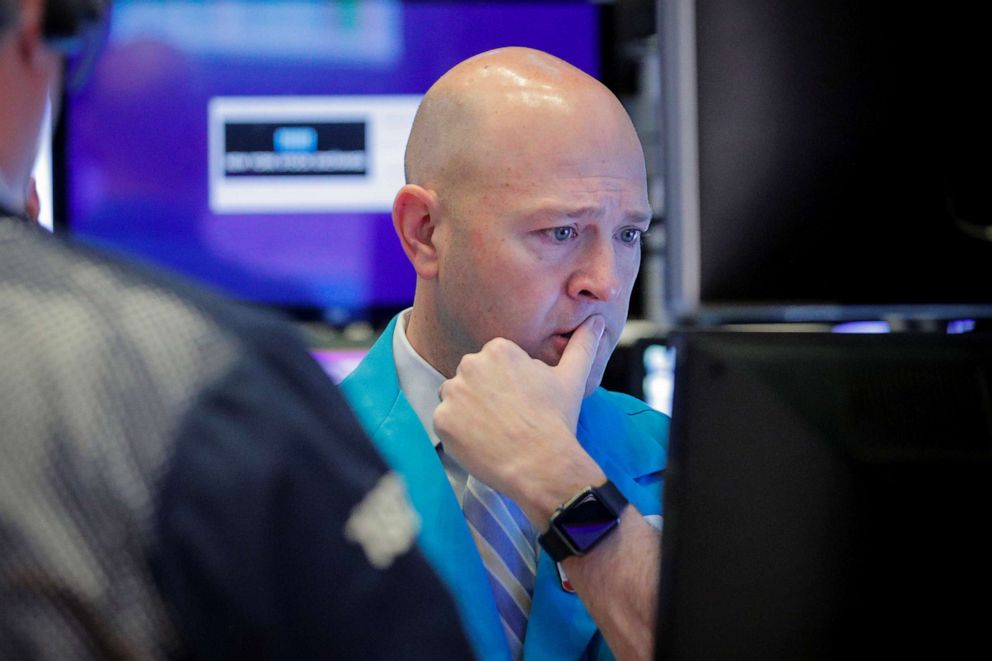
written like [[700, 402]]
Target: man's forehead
[[571, 188]]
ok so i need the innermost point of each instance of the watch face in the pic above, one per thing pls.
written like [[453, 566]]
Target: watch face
[[585, 521]]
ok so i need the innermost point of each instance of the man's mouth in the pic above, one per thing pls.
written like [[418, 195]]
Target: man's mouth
[[559, 341]]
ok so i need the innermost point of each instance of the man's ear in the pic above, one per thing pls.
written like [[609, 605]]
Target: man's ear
[[414, 220]]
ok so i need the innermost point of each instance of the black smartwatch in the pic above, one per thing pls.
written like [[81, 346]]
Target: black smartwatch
[[583, 521]]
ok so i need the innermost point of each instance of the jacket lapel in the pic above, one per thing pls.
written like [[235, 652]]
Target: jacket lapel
[[374, 393]]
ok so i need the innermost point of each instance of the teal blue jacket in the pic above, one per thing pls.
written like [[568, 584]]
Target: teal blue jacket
[[627, 439]]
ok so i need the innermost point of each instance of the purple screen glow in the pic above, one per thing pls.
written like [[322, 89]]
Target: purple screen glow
[[138, 139]]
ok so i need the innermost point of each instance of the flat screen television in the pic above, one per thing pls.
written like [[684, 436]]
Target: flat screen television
[[256, 145], [826, 159], [826, 496]]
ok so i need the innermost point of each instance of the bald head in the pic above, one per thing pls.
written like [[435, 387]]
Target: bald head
[[488, 103]]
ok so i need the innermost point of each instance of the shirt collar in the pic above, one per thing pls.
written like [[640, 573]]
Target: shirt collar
[[419, 381]]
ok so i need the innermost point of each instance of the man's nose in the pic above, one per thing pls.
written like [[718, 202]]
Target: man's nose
[[596, 276]]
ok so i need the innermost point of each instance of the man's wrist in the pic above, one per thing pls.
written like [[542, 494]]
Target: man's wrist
[[543, 495], [583, 521]]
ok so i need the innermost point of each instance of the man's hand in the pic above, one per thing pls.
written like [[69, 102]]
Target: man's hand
[[510, 420]]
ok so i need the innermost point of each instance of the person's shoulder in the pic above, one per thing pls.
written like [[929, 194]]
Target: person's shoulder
[[170, 337], [625, 432], [628, 404], [86, 282], [638, 418], [375, 375]]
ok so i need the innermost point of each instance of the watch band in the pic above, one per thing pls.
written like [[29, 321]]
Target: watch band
[[611, 497], [556, 540]]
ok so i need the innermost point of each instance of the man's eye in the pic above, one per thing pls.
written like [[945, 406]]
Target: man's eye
[[562, 233], [630, 235]]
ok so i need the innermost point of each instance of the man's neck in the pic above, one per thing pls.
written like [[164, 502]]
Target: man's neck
[[422, 332]]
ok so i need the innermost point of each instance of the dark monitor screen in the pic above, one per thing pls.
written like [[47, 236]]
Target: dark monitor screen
[[826, 158], [256, 145], [827, 497]]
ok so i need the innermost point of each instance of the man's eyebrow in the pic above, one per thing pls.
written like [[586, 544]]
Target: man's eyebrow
[[575, 212], [639, 217]]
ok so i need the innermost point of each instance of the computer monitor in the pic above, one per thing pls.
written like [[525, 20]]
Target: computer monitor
[[256, 145], [828, 496], [826, 159]]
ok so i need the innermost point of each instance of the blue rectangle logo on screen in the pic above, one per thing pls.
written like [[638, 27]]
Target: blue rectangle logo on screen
[[298, 138], [266, 149]]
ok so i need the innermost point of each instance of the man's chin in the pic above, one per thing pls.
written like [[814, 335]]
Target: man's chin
[[549, 354]]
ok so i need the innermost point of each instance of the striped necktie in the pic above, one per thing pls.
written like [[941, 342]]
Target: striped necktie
[[508, 545]]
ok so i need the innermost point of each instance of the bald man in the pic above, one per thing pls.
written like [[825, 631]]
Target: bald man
[[522, 216]]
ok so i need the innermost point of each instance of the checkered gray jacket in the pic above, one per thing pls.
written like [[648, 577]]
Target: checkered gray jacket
[[175, 477]]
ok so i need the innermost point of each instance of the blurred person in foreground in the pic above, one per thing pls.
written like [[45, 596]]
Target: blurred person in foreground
[[540, 492], [178, 479]]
